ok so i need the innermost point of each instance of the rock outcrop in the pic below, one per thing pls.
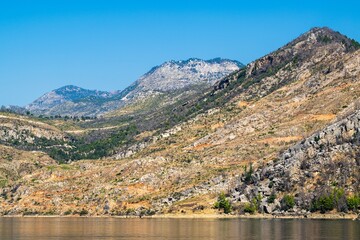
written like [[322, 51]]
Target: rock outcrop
[[326, 159]]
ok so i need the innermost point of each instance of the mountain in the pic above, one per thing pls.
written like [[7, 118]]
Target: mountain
[[13, 109], [72, 100], [278, 136], [175, 75], [170, 76]]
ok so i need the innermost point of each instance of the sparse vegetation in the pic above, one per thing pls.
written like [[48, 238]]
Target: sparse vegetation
[[355, 43], [246, 117], [324, 39]]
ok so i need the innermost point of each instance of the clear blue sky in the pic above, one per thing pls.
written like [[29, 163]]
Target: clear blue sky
[[106, 45]]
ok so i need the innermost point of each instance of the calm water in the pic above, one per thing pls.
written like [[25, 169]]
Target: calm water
[[114, 228]]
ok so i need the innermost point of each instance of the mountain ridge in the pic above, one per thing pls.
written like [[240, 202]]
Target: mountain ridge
[[69, 99]]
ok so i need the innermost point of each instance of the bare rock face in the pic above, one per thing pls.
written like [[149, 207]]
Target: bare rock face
[[174, 75], [310, 167], [180, 77]]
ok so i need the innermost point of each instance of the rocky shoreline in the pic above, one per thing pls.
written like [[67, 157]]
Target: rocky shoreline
[[318, 216]]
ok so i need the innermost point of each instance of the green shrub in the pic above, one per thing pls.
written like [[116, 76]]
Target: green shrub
[[254, 205], [353, 202], [223, 203], [257, 201], [248, 174], [3, 183], [68, 212], [250, 208], [287, 202], [271, 198], [328, 201], [83, 212], [340, 200], [325, 203]]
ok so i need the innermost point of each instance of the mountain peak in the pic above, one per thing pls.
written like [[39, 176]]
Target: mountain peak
[[49, 103], [318, 41], [69, 87], [173, 75], [217, 60], [321, 29], [320, 36]]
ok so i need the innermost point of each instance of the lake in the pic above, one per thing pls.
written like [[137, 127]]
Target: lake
[[117, 228]]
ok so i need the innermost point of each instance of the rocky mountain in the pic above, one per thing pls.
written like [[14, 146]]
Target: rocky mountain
[[278, 136], [166, 78], [73, 101], [174, 75]]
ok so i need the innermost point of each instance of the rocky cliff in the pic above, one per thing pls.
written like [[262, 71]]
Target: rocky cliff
[[311, 168]]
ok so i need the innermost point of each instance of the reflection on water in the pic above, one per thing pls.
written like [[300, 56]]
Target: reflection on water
[[116, 228]]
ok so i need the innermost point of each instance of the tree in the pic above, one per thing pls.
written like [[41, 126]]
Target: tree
[[223, 203], [353, 202], [248, 174], [287, 202]]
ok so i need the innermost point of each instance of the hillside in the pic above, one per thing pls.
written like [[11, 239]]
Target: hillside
[[323, 166], [28, 133], [286, 125]]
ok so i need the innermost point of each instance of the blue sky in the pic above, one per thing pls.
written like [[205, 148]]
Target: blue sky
[[106, 45]]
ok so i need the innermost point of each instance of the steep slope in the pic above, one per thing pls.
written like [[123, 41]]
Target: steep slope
[[253, 116], [312, 169], [305, 58]]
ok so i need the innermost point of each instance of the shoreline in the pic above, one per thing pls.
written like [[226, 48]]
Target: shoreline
[[313, 216]]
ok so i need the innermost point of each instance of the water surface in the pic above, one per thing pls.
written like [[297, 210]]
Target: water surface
[[133, 229]]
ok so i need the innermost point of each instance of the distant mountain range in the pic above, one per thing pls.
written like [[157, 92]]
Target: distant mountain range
[[166, 78]]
